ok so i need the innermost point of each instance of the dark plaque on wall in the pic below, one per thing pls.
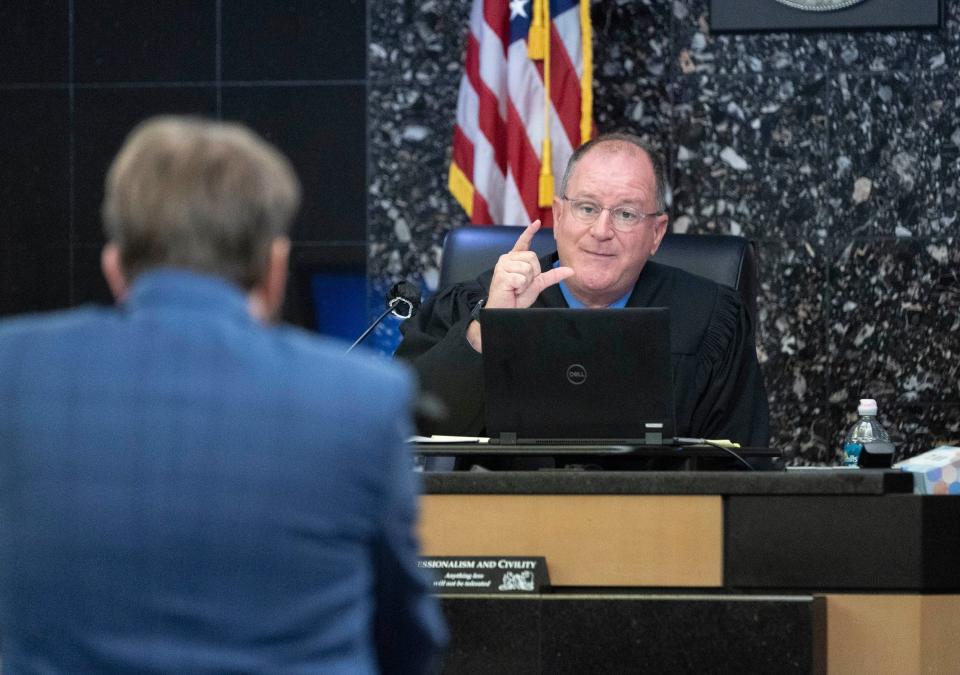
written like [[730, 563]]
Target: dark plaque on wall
[[487, 574], [742, 15]]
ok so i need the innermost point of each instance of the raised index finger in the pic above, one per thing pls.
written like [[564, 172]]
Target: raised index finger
[[526, 237]]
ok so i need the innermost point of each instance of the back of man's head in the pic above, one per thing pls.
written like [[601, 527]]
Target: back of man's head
[[200, 195]]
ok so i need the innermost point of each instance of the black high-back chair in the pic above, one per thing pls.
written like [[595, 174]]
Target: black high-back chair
[[470, 250]]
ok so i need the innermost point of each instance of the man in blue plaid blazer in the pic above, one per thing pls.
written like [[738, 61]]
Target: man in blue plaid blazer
[[183, 487]]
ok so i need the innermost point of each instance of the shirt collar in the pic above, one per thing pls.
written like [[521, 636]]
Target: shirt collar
[[171, 287]]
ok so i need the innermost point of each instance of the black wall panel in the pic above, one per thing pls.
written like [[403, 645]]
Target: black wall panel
[[77, 75], [34, 199], [321, 129], [169, 41], [294, 40]]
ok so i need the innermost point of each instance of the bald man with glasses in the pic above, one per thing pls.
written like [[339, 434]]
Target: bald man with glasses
[[608, 221]]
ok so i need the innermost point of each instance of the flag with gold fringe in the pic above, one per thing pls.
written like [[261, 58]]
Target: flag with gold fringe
[[525, 104]]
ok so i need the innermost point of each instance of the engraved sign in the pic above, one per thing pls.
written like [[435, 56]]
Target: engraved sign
[[487, 574], [819, 5], [821, 15]]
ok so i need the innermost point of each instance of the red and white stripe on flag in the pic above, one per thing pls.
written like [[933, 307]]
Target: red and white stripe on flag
[[526, 95]]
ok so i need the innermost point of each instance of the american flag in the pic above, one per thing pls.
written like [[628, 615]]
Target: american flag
[[503, 131]]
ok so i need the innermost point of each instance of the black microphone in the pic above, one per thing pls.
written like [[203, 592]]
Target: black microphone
[[402, 301]]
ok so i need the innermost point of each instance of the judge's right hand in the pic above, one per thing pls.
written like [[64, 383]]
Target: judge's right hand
[[517, 280]]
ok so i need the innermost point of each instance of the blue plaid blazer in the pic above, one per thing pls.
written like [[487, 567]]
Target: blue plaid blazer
[[183, 489]]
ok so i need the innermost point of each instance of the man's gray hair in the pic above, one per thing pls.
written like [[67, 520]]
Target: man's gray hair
[[659, 167], [201, 195]]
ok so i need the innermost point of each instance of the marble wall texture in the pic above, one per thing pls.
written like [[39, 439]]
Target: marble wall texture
[[849, 184]]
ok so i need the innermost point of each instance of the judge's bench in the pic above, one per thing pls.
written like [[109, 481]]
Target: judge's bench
[[839, 571]]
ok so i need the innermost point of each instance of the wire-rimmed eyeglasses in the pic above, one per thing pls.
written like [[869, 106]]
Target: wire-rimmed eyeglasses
[[625, 217]]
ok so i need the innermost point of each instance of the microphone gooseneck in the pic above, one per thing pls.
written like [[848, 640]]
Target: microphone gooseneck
[[403, 301]]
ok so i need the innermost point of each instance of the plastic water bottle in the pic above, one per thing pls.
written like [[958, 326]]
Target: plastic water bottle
[[867, 444]]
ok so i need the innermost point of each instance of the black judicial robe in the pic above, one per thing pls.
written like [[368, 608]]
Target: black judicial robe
[[718, 388]]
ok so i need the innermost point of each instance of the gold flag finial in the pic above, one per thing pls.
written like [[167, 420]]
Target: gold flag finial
[[536, 35]]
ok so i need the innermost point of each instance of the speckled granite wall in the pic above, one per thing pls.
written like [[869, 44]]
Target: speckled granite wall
[[848, 178]]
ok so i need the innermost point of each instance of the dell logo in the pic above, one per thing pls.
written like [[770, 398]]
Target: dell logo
[[576, 374]]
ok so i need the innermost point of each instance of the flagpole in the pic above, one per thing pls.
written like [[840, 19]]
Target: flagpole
[[586, 81], [545, 191]]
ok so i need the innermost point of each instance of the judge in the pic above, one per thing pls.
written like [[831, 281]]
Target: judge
[[609, 219]]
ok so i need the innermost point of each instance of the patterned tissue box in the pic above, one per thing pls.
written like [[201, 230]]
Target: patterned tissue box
[[936, 472]]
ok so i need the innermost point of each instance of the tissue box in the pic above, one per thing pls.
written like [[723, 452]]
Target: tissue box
[[936, 472]]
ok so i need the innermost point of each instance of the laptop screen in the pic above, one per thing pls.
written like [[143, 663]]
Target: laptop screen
[[577, 374]]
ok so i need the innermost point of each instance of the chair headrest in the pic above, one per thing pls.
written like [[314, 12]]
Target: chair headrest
[[471, 250]]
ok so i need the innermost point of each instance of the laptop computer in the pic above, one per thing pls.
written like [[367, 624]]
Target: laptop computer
[[587, 376]]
